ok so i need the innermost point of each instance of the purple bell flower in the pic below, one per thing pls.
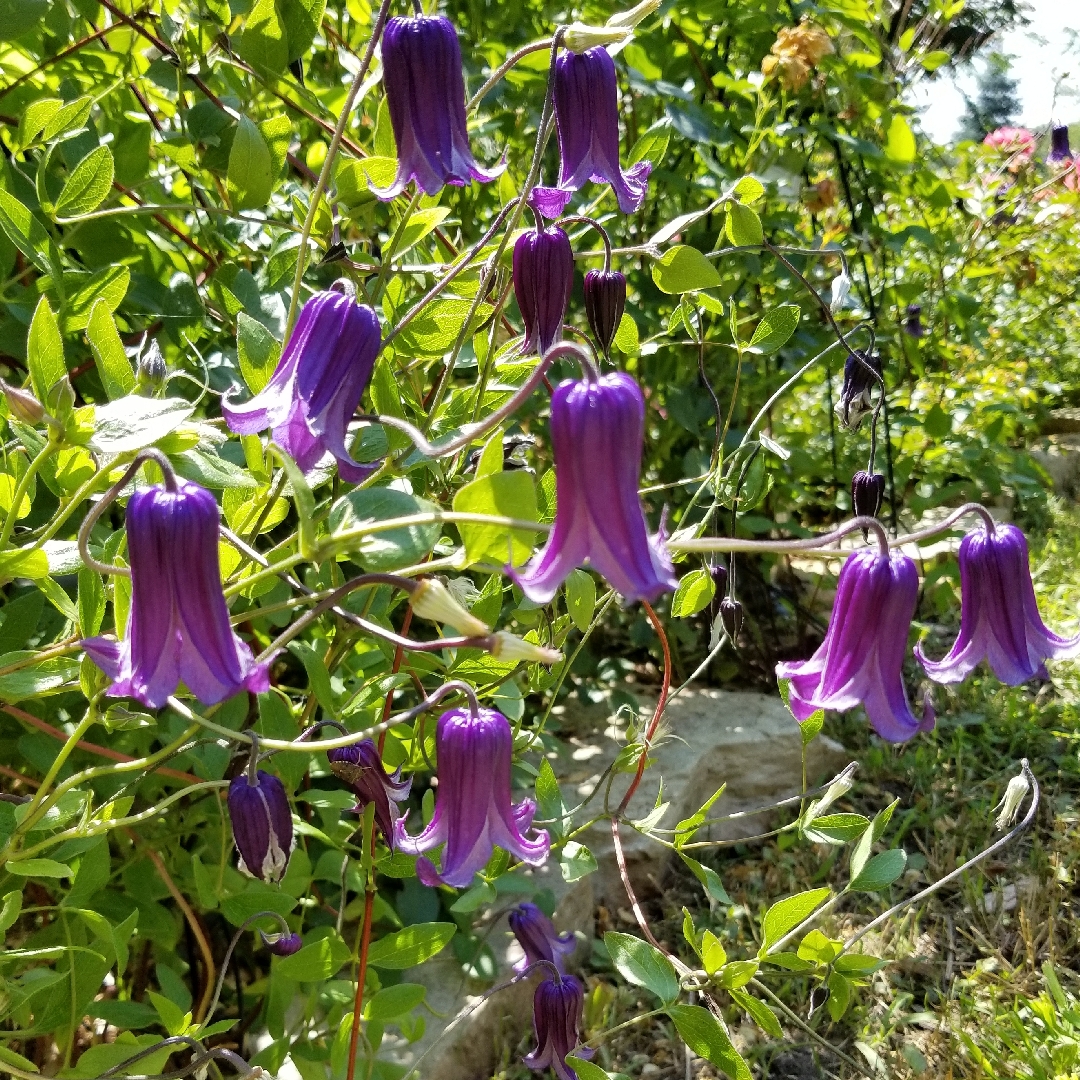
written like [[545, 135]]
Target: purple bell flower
[[861, 659], [1059, 145], [282, 944], [913, 326], [473, 813], [597, 429], [425, 92], [262, 825], [857, 393], [999, 618], [543, 281], [557, 1007], [538, 938], [178, 627], [605, 300], [318, 383], [361, 767], [587, 112]]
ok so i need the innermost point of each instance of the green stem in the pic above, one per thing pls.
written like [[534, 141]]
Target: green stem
[[388, 254], [46, 451]]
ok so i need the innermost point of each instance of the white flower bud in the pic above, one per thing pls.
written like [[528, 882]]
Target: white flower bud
[[635, 15], [841, 290], [507, 646], [433, 600], [1011, 800], [579, 37]]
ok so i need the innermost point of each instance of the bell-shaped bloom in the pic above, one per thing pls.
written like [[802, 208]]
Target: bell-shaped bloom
[[318, 383], [1060, 153], [538, 938], [861, 660], [999, 618], [587, 113], [262, 825], [361, 767], [597, 430], [857, 393], [178, 625], [282, 944], [543, 281], [425, 93], [867, 491], [605, 300], [473, 813], [913, 326], [557, 1006]]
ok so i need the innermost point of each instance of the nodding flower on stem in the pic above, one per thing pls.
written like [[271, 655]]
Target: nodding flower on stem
[[425, 93], [538, 939], [557, 1007], [913, 325], [605, 300], [861, 660], [543, 281], [361, 767], [867, 491], [999, 617], [856, 396], [282, 944], [317, 385], [597, 432], [473, 812], [1060, 152], [261, 821]]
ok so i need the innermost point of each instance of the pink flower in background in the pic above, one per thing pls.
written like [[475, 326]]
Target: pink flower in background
[[1017, 143]]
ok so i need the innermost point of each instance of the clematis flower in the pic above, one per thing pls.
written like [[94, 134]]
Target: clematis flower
[[1059, 146], [867, 491], [913, 326], [861, 659], [425, 93], [597, 429], [856, 395], [538, 938], [361, 767], [473, 813], [543, 281], [605, 300], [282, 944], [557, 1006], [587, 114], [999, 618], [317, 385], [178, 627], [262, 825]]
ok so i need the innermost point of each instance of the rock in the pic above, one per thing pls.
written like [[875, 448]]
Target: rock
[[1060, 457], [1061, 422]]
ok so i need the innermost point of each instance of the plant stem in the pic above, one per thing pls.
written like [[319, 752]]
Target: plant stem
[[50, 448]]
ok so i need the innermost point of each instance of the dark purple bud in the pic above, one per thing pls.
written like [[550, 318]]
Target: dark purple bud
[[543, 281], [1059, 146], [318, 383], [719, 575], [361, 767], [731, 615], [862, 376], [262, 825], [538, 938], [913, 326], [605, 299], [151, 371], [867, 491], [178, 628], [282, 944], [473, 813], [557, 1006], [597, 432], [425, 93]]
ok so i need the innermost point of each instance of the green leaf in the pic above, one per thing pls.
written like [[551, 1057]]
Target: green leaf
[[277, 133], [880, 872], [7, 1055], [250, 177], [776, 326], [737, 973], [114, 368], [759, 1012], [626, 336], [937, 423], [263, 44], [124, 1014], [301, 19], [174, 1018], [100, 1059], [839, 995], [684, 269], [748, 190], [785, 915], [257, 351], [836, 828], [411, 946], [641, 964], [24, 230], [393, 1001], [11, 911], [650, 147], [91, 602], [134, 422], [18, 17], [859, 964], [709, 879], [43, 868], [503, 494], [694, 594], [255, 898], [586, 1070], [882, 819], [88, 185], [743, 226], [818, 948], [420, 224], [388, 550], [576, 861], [69, 119], [45, 350], [580, 598], [685, 830], [704, 1034], [474, 898], [108, 286], [713, 954], [316, 962], [549, 798], [900, 141]]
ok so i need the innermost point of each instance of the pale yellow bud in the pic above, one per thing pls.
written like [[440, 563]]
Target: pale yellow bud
[[579, 37], [1011, 801], [635, 15], [433, 600], [507, 646]]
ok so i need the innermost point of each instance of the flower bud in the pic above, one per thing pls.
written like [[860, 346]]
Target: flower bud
[[507, 646], [282, 944], [605, 299], [579, 36], [1009, 806], [718, 573], [913, 326], [867, 490], [151, 370], [262, 825], [60, 399], [635, 15], [731, 614], [22, 404], [433, 600]]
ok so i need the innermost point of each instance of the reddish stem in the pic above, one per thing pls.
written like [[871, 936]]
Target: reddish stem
[[620, 858]]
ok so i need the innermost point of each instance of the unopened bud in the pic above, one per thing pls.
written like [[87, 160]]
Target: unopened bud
[[731, 614], [152, 370], [1010, 803], [282, 944], [579, 37], [718, 574], [60, 399], [867, 491], [605, 299], [635, 15], [432, 600], [507, 646], [23, 405]]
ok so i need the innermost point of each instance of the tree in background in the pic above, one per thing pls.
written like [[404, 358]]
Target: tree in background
[[995, 104]]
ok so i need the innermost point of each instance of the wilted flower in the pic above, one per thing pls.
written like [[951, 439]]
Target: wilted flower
[[473, 813], [538, 938], [605, 299], [795, 53], [178, 627], [425, 93], [282, 944], [361, 767], [597, 430], [913, 326], [861, 659], [999, 617], [431, 599], [543, 281], [856, 395], [506, 646], [1060, 153], [587, 113], [317, 385], [1011, 801], [867, 491], [557, 1006], [820, 196], [841, 290], [262, 824]]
